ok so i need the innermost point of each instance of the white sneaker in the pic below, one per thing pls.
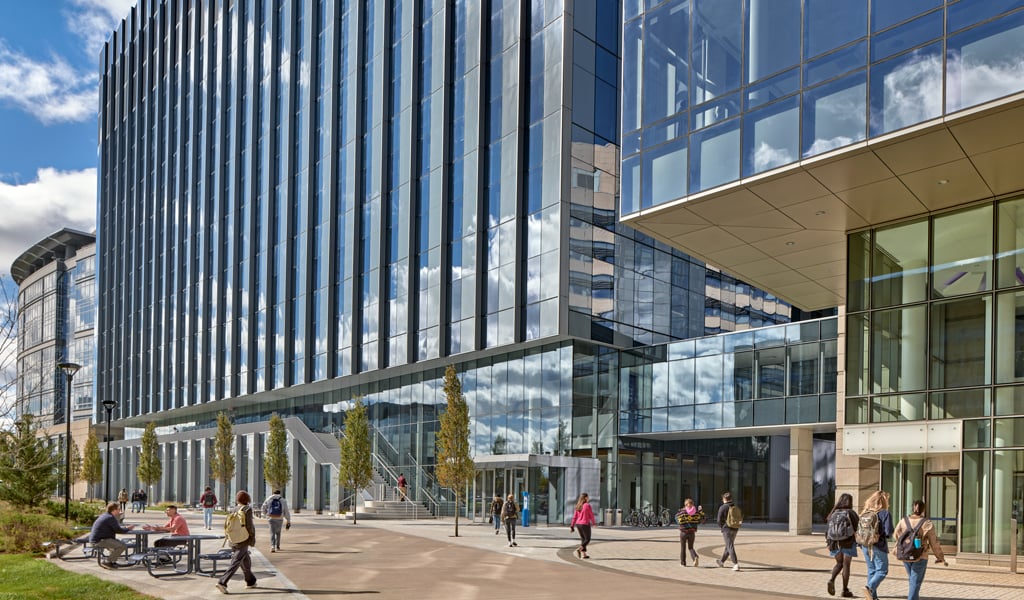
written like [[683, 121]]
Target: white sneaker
[[736, 567], [222, 588], [510, 544], [718, 562]]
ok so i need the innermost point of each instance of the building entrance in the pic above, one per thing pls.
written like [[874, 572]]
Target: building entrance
[[941, 493]]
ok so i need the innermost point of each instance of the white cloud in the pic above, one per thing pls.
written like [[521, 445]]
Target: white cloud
[[95, 20], [51, 90], [55, 200]]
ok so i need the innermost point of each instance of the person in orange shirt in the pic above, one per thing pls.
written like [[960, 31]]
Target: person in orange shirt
[[175, 525]]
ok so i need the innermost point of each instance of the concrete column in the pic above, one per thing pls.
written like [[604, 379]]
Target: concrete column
[[801, 480]]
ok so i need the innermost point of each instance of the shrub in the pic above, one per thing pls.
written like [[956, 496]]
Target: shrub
[[26, 532], [79, 513]]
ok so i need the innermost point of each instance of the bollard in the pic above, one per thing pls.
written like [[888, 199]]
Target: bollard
[[526, 509], [1013, 546]]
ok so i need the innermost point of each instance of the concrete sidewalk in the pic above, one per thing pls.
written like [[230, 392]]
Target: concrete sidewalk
[[326, 558]]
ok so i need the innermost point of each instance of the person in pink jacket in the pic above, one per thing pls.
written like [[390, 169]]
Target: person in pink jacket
[[582, 521]]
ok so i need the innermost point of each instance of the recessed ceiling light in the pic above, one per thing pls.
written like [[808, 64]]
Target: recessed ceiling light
[[820, 212], [942, 181], [791, 243]]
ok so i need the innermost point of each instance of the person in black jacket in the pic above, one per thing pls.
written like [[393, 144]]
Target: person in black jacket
[[728, 533], [241, 558], [104, 534], [842, 549]]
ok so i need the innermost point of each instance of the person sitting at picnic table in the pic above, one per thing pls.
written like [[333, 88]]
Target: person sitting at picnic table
[[104, 535], [175, 525]]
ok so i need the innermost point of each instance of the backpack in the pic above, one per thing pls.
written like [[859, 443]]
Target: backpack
[[867, 529], [840, 527], [234, 527], [509, 511], [276, 509], [909, 546], [734, 517], [209, 500]]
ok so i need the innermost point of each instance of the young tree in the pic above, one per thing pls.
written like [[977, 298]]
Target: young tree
[[222, 459], [8, 347], [276, 470], [76, 464], [454, 464], [356, 469], [150, 468], [92, 462], [29, 465]]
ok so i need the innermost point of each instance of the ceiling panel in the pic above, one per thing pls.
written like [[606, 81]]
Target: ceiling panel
[[882, 201], [828, 212], [730, 208], [712, 239], [851, 172], [947, 185], [1003, 169], [790, 189], [997, 129], [920, 152]]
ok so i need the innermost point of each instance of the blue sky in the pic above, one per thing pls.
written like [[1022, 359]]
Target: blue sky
[[49, 53]]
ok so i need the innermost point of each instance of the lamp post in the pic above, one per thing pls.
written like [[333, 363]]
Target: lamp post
[[69, 369], [109, 406]]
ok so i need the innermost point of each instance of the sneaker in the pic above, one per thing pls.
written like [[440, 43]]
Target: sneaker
[[736, 567], [867, 594], [514, 544], [579, 553], [106, 564], [719, 562], [497, 531], [222, 588], [696, 561], [847, 594], [272, 550], [831, 588], [510, 544], [250, 585]]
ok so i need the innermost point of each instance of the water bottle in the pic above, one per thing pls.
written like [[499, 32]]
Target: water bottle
[[917, 542]]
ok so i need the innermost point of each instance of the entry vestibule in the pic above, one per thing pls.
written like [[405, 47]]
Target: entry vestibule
[[552, 482]]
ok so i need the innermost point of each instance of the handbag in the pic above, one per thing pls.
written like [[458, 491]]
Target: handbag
[[490, 519]]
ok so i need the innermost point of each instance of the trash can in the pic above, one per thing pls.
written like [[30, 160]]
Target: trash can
[[526, 509], [609, 515], [618, 517]]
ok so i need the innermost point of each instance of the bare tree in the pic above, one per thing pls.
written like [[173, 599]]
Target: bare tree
[[8, 348]]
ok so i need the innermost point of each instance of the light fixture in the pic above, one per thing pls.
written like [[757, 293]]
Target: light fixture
[[791, 243], [820, 213], [109, 406], [942, 181], [69, 369]]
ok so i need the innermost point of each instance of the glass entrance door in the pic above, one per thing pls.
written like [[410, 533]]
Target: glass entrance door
[[941, 498]]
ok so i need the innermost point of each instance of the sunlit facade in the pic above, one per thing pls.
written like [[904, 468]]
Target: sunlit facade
[[307, 201], [863, 154]]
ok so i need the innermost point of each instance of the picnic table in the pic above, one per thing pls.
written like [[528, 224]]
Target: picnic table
[[193, 549]]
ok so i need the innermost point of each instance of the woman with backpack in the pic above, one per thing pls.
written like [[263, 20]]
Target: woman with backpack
[[840, 537], [509, 513], [873, 533], [582, 521], [240, 546], [915, 536]]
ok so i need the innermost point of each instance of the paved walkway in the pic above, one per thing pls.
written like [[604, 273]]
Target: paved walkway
[[323, 558]]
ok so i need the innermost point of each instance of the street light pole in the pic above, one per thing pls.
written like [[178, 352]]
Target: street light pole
[[109, 406], [69, 369]]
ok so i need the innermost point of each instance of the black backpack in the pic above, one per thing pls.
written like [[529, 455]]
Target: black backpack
[[840, 527], [909, 546], [509, 511]]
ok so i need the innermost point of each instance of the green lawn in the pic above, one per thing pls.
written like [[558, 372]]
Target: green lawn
[[23, 577]]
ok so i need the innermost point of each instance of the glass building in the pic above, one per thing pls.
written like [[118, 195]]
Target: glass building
[[862, 154], [307, 201], [56, 281]]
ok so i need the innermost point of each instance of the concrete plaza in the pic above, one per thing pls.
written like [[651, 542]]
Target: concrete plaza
[[327, 558]]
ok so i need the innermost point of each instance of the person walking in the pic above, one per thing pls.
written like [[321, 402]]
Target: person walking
[[402, 485], [143, 497], [209, 502], [689, 517], [875, 524], [276, 509], [241, 558], [135, 500], [921, 534], [104, 535], [496, 513], [583, 522], [509, 514], [122, 498], [840, 537], [729, 520]]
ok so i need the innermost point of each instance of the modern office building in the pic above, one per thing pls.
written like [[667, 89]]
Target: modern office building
[[56, 281], [863, 154], [307, 201]]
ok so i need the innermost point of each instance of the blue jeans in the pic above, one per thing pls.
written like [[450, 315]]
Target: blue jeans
[[275, 531], [497, 521], [208, 517], [878, 567], [915, 577]]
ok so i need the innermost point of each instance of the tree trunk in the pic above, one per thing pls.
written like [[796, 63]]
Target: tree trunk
[[354, 510], [456, 515]]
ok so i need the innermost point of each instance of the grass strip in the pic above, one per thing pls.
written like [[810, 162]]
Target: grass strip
[[24, 577]]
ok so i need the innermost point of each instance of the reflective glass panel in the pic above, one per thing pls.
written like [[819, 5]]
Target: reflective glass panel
[[802, 409], [665, 48], [889, 409], [960, 404], [714, 156], [978, 433], [898, 349], [770, 412], [1010, 401], [857, 355], [906, 90], [857, 411], [773, 37], [858, 263], [771, 373], [906, 36], [803, 369], [1008, 432], [962, 255], [1010, 248], [717, 47], [985, 62], [835, 64], [832, 23], [885, 14], [835, 114], [968, 12], [777, 87], [976, 503], [900, 264], [1009, 357], [664, 173], [771, 136]]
